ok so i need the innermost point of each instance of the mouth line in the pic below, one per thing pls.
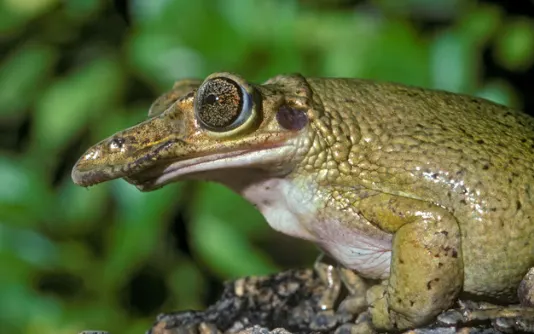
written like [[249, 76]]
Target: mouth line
[[156, 177]]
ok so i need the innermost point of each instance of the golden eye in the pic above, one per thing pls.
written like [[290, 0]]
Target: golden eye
[[221, 104]]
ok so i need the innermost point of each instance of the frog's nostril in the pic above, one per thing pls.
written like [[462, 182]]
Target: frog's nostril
[[117, 144]]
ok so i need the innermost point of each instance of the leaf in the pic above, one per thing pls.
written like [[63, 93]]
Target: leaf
[[219, 226], [67, 106], [137, 229], [454, 63], [514, 48], [225, 250], [22, 75]]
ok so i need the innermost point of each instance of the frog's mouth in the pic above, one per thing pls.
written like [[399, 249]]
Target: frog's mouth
[[154, 168], [209, 166]]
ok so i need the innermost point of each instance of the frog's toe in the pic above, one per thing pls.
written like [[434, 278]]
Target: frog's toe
[[378, 307], [382, 316], [324, 321], [525, 292], [329, 275], [362, 325]]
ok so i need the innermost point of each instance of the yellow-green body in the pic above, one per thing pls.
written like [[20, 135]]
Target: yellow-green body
[[427, 190]]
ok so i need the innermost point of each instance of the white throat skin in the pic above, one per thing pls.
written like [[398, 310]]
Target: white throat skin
[[292, 207]]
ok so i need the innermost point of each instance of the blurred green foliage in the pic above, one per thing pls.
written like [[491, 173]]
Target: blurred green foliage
[[73, 72]]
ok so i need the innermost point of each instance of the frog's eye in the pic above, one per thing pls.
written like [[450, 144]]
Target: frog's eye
[[221, 104]]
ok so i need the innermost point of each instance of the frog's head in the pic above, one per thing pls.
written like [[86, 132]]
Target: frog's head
[[206, 128]]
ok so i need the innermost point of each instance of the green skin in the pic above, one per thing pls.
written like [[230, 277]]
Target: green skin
[[443, 180]]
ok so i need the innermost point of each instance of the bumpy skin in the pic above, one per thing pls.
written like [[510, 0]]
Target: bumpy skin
[[443, 180]]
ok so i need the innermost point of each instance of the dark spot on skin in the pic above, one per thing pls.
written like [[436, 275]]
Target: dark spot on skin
[[266, 202], [480, 141], [291, 118], [412, 302], [518, 205], [445, 233], [153, 155], [509, 180], [440, 264], [435, 175], [485, 167], [514, 174], [399, 300], [401, 261], [463, 202], [493, 209], [429, 283], [454, 253], [524, 140], [447, 249]]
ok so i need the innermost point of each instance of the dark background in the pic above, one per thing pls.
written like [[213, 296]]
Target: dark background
[[73, 72]]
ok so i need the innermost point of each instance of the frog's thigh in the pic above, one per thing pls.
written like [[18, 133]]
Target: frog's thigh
[[426, 265]]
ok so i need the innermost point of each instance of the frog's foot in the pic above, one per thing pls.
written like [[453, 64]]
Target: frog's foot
[[362, 325], [353, 299], [329, 274], [506, 319], [326, 318], [525, 292]]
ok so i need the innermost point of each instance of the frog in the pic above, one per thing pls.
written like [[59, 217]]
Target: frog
[[425, 191]]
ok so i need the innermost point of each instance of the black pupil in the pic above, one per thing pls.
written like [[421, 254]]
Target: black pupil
[[220, 103], [211, 99]]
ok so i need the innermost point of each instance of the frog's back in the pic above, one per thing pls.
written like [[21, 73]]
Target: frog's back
[[466, 154]]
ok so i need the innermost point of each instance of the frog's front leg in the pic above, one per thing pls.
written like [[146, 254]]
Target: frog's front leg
[[426, 272]]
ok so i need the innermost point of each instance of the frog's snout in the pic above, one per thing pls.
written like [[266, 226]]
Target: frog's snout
[[98, 163]]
